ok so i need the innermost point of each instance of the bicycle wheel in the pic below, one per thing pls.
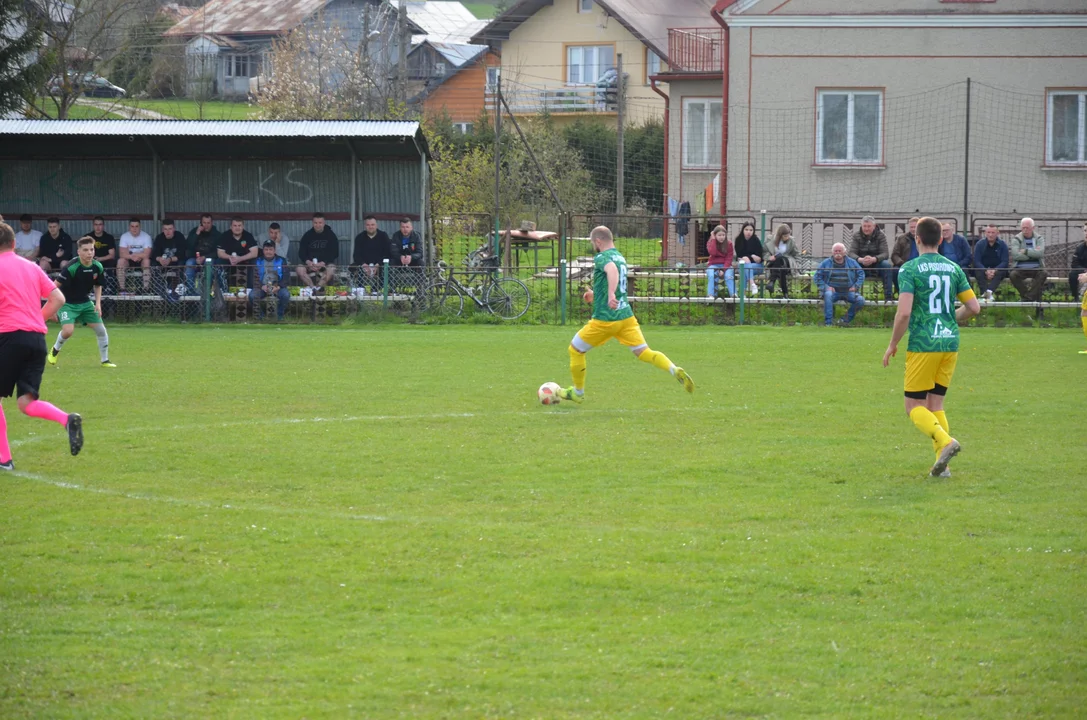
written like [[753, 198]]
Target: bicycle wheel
[[444, 299], [508, 298]]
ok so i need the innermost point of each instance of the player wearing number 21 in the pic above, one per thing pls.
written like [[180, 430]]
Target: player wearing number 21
[[928, 285], [612, 318]]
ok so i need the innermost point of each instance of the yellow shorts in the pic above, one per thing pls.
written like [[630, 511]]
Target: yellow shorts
[[597, 332], [1083, 305], [926, 370]]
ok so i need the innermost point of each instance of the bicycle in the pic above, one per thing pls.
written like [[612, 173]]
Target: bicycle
[[506, 297]]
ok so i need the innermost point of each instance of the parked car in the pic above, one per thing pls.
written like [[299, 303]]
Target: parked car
[[90, 85]]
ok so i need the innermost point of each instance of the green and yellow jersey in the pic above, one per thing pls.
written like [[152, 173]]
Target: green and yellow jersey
[[77, 281], [601, 311], [935, 282]]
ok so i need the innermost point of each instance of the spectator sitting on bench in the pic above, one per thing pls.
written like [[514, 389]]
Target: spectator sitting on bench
[[905, 249], [27, 239], [372, 248], [406, 250], [271, 279], [278, 238], [749, 250], [720, 264], [135, 249], [168, 250], [105, 252], [203, 243], [781, 253], [955, 248], [1026, 255], [869, 248], [990, 262], [238, 247], [54, 248], [319, 249], [1079, 264], [839, 278]]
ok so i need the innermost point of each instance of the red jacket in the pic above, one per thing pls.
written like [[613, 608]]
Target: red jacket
[[716, 256]]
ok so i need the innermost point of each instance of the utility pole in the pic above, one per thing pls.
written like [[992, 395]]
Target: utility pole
[[620, 98], [402, 60], [364, 61], [497, 161]]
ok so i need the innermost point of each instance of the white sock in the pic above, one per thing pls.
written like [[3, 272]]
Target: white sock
[[103, 342], [59, 343]]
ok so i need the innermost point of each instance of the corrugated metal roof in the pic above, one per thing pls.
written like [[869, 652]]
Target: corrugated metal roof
[[236, 17], [215, 128], [443, 21], [458, 55]]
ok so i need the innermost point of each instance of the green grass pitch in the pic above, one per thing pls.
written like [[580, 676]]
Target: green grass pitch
[[383, 523]]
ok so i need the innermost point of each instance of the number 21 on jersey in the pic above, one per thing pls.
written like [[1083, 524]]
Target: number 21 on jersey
[[939, 301]]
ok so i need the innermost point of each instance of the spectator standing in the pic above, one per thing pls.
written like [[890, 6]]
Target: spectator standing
[[135, 249], [720, 264], [318, 250], [372, 248], [27, 239], [781, 253], [839, 278], [955, 248], [1026, 256], [748, 249], [54, 247], [990, 262], [869, 248]]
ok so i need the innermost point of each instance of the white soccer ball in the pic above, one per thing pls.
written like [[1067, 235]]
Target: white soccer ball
[[242, 294], [549, 393]]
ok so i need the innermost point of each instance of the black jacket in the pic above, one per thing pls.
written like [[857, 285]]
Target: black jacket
[[747, 248], [324, 246], [410, 245], [175, 247], [1079, 257], [371, 251], [48, 247]]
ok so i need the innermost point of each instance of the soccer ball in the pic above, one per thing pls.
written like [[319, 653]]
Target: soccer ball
[[243, 294], [549, 393]]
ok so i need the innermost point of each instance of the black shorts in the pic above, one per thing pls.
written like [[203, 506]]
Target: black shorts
[[22, 362]]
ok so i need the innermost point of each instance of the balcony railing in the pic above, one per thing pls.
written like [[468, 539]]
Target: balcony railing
[[695, 49], [527, 100]]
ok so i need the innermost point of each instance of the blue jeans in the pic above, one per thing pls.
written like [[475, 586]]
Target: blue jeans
[[831, 296], [751, 270], [887, 274], [283, 295], [713, 273]]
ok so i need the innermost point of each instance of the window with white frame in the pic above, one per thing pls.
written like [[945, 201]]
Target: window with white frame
[[1066, 136], [849, 127], [464, 128], [492, 79], [586, 63], [652, 64], [701, 133], [584, 6], [239, 66]]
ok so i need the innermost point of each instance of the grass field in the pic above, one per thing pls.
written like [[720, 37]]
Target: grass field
[[382, 522], [186, 109]]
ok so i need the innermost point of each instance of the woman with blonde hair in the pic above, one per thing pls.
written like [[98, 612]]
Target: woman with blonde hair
[[719, 248], [781, 253]]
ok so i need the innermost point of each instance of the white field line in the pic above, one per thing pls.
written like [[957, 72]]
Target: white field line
[[193, 503]]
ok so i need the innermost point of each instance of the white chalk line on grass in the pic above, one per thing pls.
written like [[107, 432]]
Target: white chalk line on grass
[[352, 418], [193, 503]]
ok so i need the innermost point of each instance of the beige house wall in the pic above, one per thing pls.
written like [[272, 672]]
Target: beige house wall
[[535, 55], [873, 7], [922, 73]]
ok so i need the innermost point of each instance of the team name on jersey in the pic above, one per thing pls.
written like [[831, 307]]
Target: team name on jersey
[[935, 267]]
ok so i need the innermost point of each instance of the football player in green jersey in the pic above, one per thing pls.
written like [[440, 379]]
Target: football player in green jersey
[[76, 282], [612, 318], [927, 285]]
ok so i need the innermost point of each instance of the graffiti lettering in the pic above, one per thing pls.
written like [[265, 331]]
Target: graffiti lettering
[[289, 186]]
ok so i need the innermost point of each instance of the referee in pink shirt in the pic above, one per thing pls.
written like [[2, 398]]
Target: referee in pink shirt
[[23, 286]]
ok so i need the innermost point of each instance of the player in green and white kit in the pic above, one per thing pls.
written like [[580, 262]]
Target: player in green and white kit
[[929, 283], [612, 318], [77, 281]]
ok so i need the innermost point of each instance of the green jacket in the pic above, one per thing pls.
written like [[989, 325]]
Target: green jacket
[[791, 253], [1017, 252]]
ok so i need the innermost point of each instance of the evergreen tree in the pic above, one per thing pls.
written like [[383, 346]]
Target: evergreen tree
[[21, 70]]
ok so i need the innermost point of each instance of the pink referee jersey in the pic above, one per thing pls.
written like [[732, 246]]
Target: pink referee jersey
[[23, 286]]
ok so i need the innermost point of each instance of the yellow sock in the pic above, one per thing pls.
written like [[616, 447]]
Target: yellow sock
[[941, 417], [1083, 319], [577, 367], [657, 359], [927, 423]]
